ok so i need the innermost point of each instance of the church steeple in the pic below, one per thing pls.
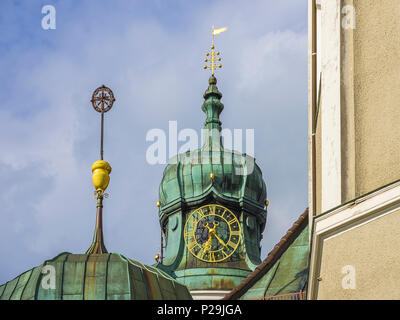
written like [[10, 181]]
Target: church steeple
[[212, 207]]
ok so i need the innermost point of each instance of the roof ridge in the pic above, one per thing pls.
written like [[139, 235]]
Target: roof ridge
[[271, 258]]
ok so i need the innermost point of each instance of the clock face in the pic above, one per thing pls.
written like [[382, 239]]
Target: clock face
[[212, 233]]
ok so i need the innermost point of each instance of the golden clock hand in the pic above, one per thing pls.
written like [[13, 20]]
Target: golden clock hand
[[220, 241], [207, 245]]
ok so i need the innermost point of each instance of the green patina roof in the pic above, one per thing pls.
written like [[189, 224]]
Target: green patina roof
[[287, 275], [190, 182], [108, 276], [283, 272], [187, 180]]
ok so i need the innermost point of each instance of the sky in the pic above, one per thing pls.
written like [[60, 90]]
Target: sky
[[151, 54]]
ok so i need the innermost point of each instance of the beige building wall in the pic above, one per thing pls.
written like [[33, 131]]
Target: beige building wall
[[354, 253], [362, 263], [376, 94], [358, 123], [355, 146]]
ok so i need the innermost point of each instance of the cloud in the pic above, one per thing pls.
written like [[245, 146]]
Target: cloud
[[151, 57]]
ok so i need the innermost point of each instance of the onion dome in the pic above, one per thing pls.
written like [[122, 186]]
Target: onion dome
[[97, 274], [236, 178], [108, 276]]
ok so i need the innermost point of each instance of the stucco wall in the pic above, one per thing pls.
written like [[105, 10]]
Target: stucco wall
[[376, 94], [369, 153], [368, 126], [372, 250]]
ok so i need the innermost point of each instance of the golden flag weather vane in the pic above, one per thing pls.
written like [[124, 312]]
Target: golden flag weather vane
[[213, 57]]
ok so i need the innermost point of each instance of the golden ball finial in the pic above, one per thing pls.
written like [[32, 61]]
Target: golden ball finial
[[266, 203], [157, 257], [212, 176], [158, 204]]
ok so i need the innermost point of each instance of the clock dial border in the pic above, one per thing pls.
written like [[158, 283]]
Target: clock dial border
[[190, 236]]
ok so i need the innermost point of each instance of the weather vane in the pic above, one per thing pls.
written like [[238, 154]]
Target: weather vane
[[213, 57], [102, 101]]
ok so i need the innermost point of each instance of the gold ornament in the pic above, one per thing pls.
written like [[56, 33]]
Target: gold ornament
[[101, 175], [212, 60]]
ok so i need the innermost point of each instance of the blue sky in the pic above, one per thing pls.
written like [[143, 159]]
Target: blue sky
[[150, 53]]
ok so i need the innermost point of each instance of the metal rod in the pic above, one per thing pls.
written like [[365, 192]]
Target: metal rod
[[212, 52], [102, 130]]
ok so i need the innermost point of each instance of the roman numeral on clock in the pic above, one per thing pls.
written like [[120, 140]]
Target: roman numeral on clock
[[212, 210], [232, 221], [191, 245], [212, 256], [231, 244]]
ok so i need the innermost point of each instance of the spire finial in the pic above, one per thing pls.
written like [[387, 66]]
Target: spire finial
[[102, 101], [213, 57]]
